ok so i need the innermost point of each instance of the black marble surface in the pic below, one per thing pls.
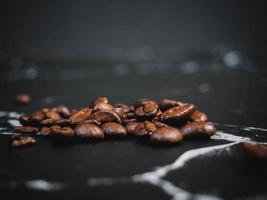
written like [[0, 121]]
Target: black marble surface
[[232, 94]]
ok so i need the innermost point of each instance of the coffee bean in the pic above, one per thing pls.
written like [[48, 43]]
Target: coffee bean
[[103, 106], [45, 131], [23, 99], [256, 150], [38, 116], [147, 111], [198, 130], [141, 102], [62, 110], [122, 110], [160, 124], [130, 126], [22, 141], [91, 121], [26, 129], [166, 104], [150, 127], [80, 115], [87, 130], [178, 113], [98, 100], [140, 130], [168, 135], [104, 116], [62, 122], [62, 131], [198, 116], [113, 129]]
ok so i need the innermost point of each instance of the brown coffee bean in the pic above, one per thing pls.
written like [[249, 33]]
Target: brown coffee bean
[[45, 131], [48, 122], [98, 100], [103, 106], [126, 121], [160, 124], [178, 113], [38, 116], [150, 127], [91, 121], [198, 129], [62, 110], [62, 122], [62, 131], [22, 141], [51, 114], [167, 135], [26, 129], [166, 104], [141, 102], [130, 126], [104, 116], [147, 110], [80, 115], [113, 129], [140, 130], [87, 130], [255, 149], [124, 107], [198, 116], [23, 99]]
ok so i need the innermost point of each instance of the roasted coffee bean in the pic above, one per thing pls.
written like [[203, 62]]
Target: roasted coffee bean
[[198, 116], [130, 115], [150, 127], [166, 104], [62, 122], [62, 110], [178, 113], [98, 100], [62, 131], [168, 135], [80, 115], [198, 129], [140, 130], [23, 99], [124, 107], [141, 102], [113, 129], [256, 150], [22, 141], [126, 121], [130, 126], [87, 130], [48, 122], [104, 116], [160, 124], [45, 131], [26, 129], [103, 106], [38, 116], [147, 110], [91, 121], [51, 114]]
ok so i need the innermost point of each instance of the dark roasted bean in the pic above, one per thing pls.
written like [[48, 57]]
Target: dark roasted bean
[[166, 104], [160, 124], [141, 102], [98, 100], [198, 116], [87, 130], [104, 116], [103, 106], [23, 99], [198, 129], [92, 121], [147, 111], [45, 131], [62, 122], [80, 115], [26, 129], [178, 113], [124, 107], [130, 126], [62, 110], [150, 127], [167, 135], [37, 116], [140, 130], [22, 141], [51, 114], [113, 129], [62, 131], [256, 150], [126, 121]]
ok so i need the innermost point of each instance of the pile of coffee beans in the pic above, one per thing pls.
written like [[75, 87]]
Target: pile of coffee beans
[[167, 122]]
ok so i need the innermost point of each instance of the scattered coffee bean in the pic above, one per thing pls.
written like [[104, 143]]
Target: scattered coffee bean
[[113, 129], [198, 116], [80, 115], [104, 116], [256, 150], [23, 99], [22, 141], [167, 135], [166, 104], [26, 129], [198, 129], [87, 130]]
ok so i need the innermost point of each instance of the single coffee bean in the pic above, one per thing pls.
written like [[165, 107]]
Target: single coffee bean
[[45, 131], [26, 129], [256, 150], [147, 110], [103, 106], [198, 116], [62, 110], [38, 116], [62, 131], [198, 129], [130, 126], [167, 135], [178, 113], [166, 104], [150, 127], [51, 114], [23, 99], [80, 115], [141, 102], [22, 141], [140, 130], [98, 100], [104, 116], [87, 130], [113, 129], [124, 107]]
